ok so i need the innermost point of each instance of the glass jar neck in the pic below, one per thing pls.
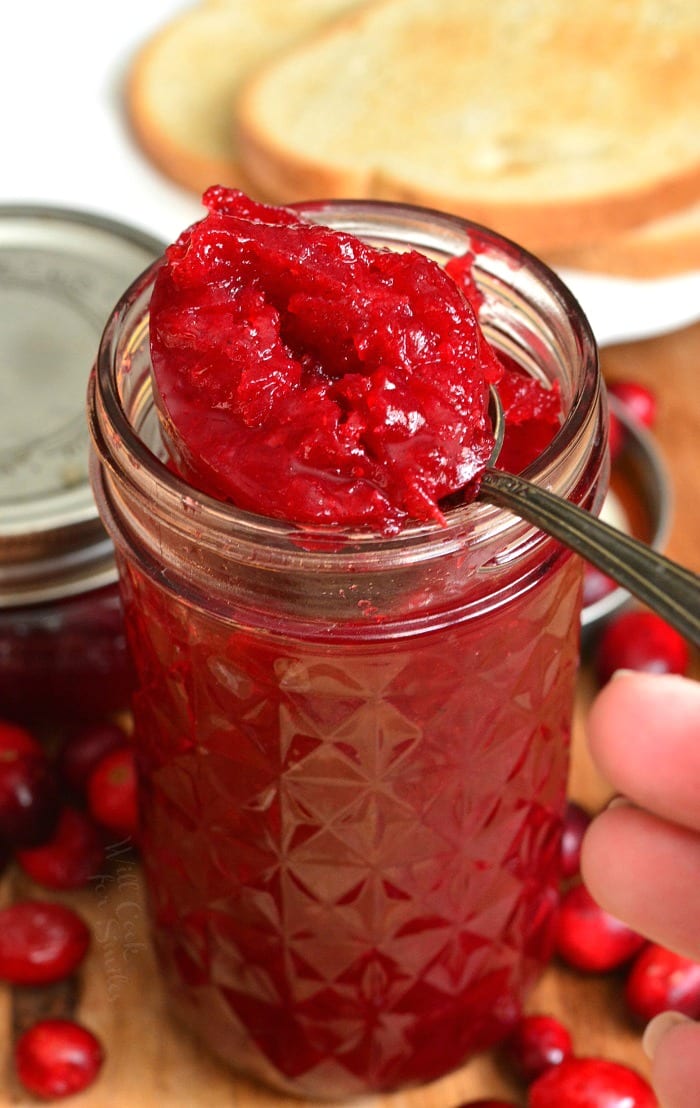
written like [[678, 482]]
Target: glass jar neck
[[483, 551]]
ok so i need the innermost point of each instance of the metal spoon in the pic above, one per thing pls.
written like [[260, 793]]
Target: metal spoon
[[667, 588]]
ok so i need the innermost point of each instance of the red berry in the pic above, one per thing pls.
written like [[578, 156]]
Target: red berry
[[56, 1058], [590, 938], [40, 942], [17, 740], [111, 792], [82, 751], [641, 641], [661, 981], [537, 1043], [576, 821], [28, 793], [638, 400], [616, 436], [590, 1083], [71, 857]]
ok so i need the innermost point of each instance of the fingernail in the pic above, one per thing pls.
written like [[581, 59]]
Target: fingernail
[[622, 673], [658, 1027], [618, 802]]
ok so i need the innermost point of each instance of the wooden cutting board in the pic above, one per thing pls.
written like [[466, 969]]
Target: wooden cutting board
[[151, 1063]]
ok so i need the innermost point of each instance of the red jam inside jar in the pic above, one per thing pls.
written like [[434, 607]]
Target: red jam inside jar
[[353, 755], [65, 659]]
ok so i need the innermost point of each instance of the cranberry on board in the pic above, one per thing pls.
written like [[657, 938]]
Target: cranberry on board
[[73, 855], [83, 749], [538, 1042], [661, 981], [56, 1058], [576, 821], [642, 641], [589, 938], [40, 942], [616, 436], [16, 740], [591, 1083], [639, 401], [111, 792], [28, 793]]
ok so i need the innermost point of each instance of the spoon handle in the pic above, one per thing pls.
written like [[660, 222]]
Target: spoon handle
[[665, 587]]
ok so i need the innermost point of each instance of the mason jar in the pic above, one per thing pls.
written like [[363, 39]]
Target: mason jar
[[352, 749], [63, 651]]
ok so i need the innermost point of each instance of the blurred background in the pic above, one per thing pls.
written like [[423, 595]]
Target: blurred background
[[66, 141]]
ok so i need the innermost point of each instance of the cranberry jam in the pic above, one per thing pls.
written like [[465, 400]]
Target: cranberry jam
[[352, 742]]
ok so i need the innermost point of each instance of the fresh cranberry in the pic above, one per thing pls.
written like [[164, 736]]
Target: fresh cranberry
[[661, 980], [84, 749], [112, 792], [40, 942], [638, 400], [590, 1083], [616, 436], [589, 938], [641, 641], [28, 793], [71, 857], [537, 1043], [17, 740], [56, 1058], [576, 821]]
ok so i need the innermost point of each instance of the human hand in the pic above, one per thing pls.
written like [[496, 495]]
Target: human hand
[[641, 857]]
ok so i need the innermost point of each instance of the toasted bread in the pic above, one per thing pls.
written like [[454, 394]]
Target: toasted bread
[[183, 82], [660, 248], [557, 124]]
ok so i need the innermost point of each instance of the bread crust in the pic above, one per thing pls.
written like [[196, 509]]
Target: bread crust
[[661, 248], [286, 169], [181, 87], [560, 226]]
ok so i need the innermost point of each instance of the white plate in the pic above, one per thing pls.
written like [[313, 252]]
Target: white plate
[[66, 142], [620, 310]]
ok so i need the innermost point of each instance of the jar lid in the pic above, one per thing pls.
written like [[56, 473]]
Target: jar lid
[[61, 273]]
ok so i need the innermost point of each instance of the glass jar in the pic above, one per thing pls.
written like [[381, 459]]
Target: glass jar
[[62, 644], [64, 659], [353, 755]]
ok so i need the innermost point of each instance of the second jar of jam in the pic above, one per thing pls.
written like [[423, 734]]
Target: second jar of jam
[[63, 650]]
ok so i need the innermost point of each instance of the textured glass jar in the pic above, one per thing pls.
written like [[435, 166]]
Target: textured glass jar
[[353, 755]]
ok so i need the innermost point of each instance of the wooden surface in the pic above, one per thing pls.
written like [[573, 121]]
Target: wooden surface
[[151, 1063]]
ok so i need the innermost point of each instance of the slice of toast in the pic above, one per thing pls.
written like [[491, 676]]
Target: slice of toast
[[661, 248], [558, 124], [183, 82]]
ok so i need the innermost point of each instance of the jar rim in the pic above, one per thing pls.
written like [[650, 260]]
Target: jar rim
[[416, 227]]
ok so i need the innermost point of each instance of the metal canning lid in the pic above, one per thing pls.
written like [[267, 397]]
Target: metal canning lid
[[61, 274]]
